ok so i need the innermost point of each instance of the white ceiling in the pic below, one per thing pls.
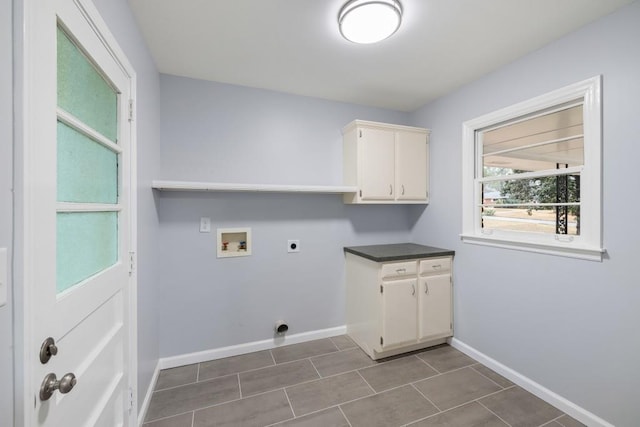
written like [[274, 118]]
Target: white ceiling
[[294, 46]]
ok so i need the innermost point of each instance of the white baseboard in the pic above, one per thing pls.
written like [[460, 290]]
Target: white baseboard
[[147, 396], [533, 387], [235, 350]]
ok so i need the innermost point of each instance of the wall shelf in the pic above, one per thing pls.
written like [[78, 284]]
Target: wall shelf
[[264, 188]]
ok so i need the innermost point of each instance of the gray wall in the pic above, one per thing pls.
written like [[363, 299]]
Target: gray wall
[[568, 324], [6, 207], [120, 20], [218, 132]]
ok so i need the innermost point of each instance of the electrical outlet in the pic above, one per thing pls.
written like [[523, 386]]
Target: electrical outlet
[[293, 245], [205, 225]]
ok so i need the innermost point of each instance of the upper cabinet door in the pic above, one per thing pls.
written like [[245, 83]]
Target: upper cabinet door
[[411, 166], [376, 155]]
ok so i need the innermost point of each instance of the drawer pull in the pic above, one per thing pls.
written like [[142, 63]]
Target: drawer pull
[[437, 266], [401, 270], [426, 288]]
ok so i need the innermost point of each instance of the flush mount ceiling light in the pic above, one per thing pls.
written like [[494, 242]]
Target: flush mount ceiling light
[[369, 21]]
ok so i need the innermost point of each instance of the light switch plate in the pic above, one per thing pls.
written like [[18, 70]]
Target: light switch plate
[[205, 225], [3, 276]]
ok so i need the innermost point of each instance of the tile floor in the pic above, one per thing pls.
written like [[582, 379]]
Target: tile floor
[[331, 382]]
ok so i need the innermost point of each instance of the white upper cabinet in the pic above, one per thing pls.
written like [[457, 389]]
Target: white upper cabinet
[[387, 163]]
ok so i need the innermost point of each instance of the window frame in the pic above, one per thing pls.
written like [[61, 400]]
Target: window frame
[[588, 245]]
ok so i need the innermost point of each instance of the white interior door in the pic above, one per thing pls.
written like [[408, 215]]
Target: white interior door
[[77, 220]]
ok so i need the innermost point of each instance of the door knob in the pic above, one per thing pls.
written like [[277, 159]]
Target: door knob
[[47, 350], [51, 384]]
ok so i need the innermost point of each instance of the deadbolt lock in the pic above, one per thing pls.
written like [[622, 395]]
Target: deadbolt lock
[[47, 350]]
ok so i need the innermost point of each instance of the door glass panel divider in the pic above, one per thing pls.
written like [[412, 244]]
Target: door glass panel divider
[[88, 207], [75, 123]]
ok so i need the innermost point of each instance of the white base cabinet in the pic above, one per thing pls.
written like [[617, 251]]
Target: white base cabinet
[[398, 306]]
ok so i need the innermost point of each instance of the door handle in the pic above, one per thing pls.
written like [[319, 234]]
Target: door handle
[[403, 189], [390, 189], [51, 384], [413, 289], [426, 288]]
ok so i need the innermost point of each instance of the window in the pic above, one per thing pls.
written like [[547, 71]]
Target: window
[[532, 174]]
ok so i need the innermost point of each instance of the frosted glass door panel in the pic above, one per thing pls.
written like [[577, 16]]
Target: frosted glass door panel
[[87, 170], [83, 92], [87, 243]]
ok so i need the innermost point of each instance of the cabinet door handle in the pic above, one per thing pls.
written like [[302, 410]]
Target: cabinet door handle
[[401, 270], [390, 189], [426, 288], [413, 289], [437, 266], [403, 189]]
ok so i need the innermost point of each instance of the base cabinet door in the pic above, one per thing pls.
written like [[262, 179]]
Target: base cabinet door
[[399, 302], [434, 307]]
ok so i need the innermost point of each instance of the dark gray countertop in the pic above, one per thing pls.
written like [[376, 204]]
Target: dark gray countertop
[[397, 251]]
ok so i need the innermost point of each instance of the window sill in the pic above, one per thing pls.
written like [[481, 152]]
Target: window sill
[[590, 253]]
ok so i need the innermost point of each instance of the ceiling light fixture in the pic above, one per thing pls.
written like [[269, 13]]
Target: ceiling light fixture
[[369, 21]]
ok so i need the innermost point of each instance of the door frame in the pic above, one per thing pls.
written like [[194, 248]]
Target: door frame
[[26, 17]]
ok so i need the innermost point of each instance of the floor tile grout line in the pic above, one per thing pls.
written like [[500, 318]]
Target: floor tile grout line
[[334, 344], [194, 382], [499, 385], [366, 382], [556, 419], [439, 374], [344, 415], [239, 385], [289, 400], [198, 373], [337, 350], [167, 417], [428, 400], [273, 359], [499, 417], [193, 418], [314, 367], [428, 364], [283, 387], [476, 400], [218, 404]]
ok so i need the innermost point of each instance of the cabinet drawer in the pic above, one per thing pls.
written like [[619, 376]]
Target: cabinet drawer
[[398, 269], [435, 265]]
